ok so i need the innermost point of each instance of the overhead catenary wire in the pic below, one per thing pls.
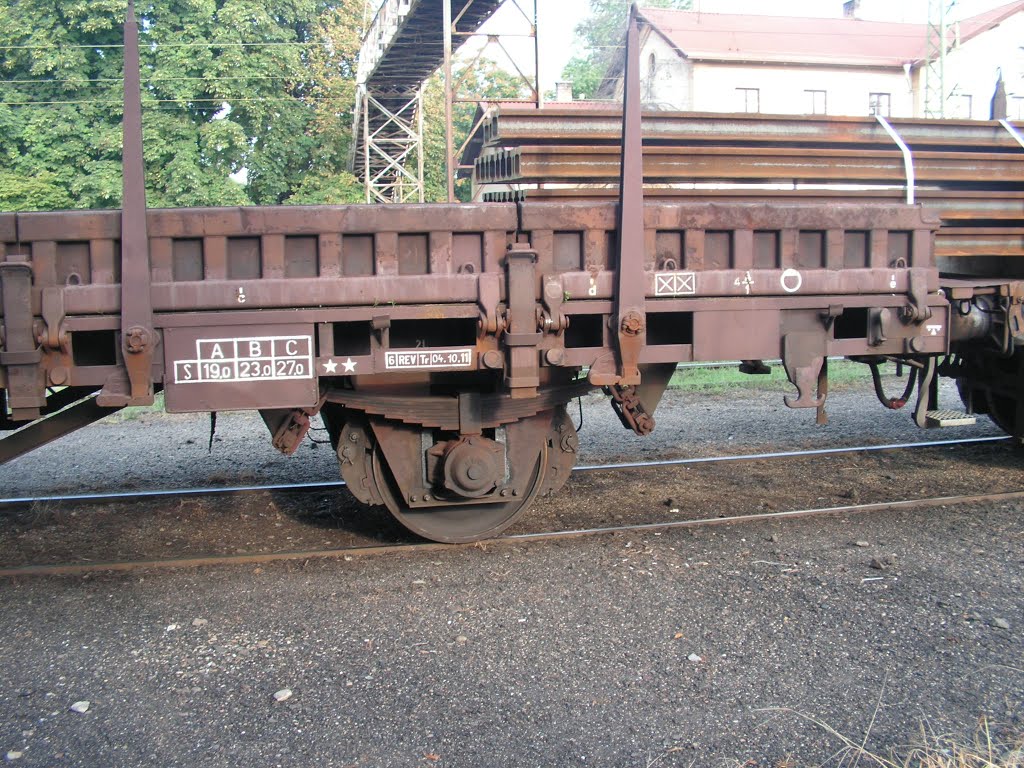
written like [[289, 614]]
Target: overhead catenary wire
[[214, 101], [153, 44]]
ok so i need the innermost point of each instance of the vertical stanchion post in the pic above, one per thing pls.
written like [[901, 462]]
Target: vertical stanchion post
[[630, 288], [366, 144], [449, 163], [134, 384], [536, 58], [420, 142]]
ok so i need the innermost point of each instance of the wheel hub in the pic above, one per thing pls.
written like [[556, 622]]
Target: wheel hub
[[473, 467]]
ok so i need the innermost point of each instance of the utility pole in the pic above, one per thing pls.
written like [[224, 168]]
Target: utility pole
[[936, 45]]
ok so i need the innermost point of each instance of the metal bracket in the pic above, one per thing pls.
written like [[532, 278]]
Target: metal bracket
[[522, 374], [289, 427], [908, 158], [488, 297], [55, 336], [20, 356], [829, 316], [803, 355], [919, 311], [927, 393]]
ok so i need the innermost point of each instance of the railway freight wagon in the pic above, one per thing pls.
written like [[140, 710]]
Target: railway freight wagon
[[440, 344]]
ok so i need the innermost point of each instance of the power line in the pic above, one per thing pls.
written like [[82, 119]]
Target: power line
[[152, 45], [228, 100], [92, 81]]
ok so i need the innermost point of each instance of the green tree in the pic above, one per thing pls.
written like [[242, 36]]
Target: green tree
[[262, 87], [600, 35], [483, 80]]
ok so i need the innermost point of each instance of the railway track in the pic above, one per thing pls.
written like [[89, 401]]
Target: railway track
[[77, 569], [324, 486], [398, 547]]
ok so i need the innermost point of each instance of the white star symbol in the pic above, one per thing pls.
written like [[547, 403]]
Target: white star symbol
[[330, 366], [349, 366]]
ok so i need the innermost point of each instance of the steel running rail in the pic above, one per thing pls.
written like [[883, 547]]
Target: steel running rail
[[166, 493], [520, 538]]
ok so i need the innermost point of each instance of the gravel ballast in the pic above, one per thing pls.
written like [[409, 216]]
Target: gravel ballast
[[724, 646]]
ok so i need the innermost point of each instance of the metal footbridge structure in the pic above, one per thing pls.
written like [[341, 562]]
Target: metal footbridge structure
[[405, 44]]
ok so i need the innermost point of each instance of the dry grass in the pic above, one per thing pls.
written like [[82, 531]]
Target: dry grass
[[986, 749]]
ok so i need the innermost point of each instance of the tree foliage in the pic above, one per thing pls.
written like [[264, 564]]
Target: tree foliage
[[257, 88], [600, 35], [481, 80]]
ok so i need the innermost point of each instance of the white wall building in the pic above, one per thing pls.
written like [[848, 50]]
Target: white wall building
[[712, 62]]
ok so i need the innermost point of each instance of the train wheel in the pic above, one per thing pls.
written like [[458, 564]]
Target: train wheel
[[456, 523], [994, 385]]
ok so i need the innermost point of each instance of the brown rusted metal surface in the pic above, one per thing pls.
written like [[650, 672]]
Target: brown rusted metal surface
[[552, 163], [631, 318], [354, 264], [53, 427], [516, 125], [133, 385], [442, 343], [970, 172]]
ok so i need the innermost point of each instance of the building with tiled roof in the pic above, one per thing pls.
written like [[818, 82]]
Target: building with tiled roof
[[715, 62]]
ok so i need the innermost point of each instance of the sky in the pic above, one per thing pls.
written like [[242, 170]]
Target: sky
[[557, 19]]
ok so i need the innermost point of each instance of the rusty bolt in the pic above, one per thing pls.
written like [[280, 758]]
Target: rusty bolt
[[493, 358], [136, 339], [632, 323], [555, 356]]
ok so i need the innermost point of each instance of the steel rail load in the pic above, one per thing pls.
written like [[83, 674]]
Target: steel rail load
[[441, 343]]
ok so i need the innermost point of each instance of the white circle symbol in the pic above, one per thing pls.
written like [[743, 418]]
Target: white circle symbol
[[791, 280]]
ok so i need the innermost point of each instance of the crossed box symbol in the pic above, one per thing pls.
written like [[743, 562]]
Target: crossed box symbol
[[675, 283]]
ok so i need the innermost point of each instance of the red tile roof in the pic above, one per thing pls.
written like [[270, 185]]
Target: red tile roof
[[851, 42]]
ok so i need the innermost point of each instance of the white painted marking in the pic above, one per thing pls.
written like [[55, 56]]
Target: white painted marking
[[241, 295], [592, 290], [414, 359], [934, 330], [746, 282], [675, 283], [791, 280], [349, 365], [330, 366], [263, 358], [892, 282]]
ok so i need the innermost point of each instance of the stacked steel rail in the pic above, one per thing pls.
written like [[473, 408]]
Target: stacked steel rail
[[970, 172]]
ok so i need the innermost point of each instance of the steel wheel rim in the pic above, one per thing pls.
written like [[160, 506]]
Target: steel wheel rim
[[457, 523]]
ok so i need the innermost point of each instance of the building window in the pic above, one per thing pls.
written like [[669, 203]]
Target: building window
[[816, 103], [960, 105], [878, 104], [650, 83], [750, 99]]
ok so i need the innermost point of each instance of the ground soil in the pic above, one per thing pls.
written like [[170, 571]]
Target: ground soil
[[714, 646]]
